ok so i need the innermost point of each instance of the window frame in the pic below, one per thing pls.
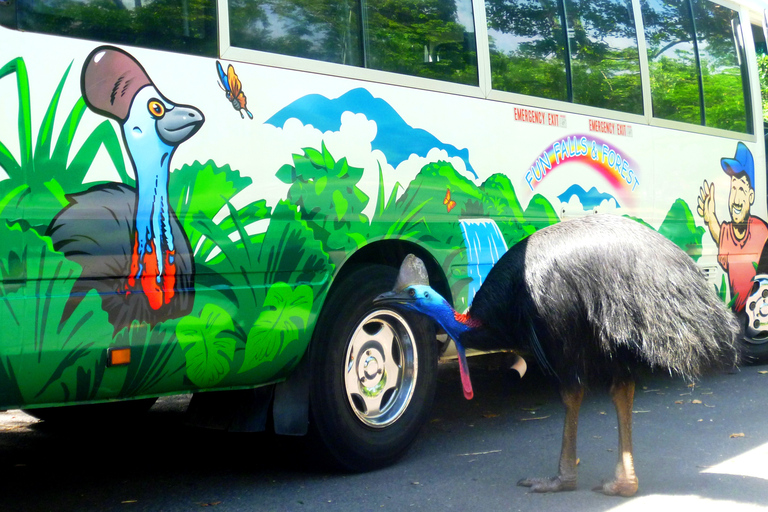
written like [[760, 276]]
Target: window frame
[[484, 91], [229, 52]]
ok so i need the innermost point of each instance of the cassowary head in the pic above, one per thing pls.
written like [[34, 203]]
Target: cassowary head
[[115, 85], [420, 298], [412, 292]]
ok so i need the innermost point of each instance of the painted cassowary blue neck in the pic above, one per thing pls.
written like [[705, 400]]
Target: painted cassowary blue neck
[[153, 130]]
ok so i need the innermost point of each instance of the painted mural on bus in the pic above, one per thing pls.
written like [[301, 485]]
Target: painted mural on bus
[[134, 221]]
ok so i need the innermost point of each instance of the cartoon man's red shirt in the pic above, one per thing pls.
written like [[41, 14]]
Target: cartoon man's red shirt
[[738, 257]]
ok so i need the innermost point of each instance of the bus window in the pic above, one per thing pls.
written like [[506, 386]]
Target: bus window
[[432, 38], [672, 60], [596, 64], [721, 51], [605, 62], [186, 26], [326, 30], [426, 38], [527, 48], [697, 79]]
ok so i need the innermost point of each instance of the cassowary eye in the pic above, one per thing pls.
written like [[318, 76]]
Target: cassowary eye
[[156, 108], [411, 293]]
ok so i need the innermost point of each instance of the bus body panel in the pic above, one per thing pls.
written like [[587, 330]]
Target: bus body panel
[[277, 189]]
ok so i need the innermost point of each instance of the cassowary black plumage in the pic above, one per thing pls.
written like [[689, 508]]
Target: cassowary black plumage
[[594, 299]]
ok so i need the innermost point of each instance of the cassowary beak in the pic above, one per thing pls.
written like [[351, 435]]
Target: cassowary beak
[[394, 297], [179, 124]]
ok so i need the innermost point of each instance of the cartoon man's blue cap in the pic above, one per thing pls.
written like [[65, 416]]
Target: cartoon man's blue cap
[[742, 162]]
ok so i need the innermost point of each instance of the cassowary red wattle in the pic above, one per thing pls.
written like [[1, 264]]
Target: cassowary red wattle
[[595, 300], [132, 248]]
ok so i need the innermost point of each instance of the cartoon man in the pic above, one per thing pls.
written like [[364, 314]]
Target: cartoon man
[[741, 241]]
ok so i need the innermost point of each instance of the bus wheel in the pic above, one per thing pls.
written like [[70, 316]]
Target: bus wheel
[[373, 374], [754, 350]]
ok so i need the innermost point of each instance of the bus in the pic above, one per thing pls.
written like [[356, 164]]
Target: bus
[[205, 196]]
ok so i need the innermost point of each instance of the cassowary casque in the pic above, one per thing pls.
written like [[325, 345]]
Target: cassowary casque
[[594, 299]]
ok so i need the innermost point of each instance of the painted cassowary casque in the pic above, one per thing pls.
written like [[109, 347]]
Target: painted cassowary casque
[[594, 299], [132, 248]]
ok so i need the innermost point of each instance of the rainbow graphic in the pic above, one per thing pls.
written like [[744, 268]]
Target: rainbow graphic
[[618, 170]]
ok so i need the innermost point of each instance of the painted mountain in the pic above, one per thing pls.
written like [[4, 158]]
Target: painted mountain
[[589, 199], [395, 138]]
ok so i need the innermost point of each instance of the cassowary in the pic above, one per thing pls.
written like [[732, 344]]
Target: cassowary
[[594, 299], [132, 248]]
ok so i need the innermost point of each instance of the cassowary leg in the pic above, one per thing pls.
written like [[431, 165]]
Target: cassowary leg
[[625, 480], [566, 477]]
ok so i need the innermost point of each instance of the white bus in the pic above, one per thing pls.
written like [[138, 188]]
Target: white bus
[[204, 196]]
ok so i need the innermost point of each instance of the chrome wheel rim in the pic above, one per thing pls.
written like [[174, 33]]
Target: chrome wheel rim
[[381, 368]]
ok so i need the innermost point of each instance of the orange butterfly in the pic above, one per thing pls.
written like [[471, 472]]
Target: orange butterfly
[[448, 202], [230, 84]]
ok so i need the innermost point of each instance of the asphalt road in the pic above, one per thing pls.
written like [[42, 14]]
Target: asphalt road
[[701, 448]]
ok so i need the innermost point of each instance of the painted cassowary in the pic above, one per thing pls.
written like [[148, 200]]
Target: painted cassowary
[[132, 248], [594, 300]]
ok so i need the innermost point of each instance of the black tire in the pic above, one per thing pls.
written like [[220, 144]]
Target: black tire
[[78, 416], [754, 349], [350, 434]]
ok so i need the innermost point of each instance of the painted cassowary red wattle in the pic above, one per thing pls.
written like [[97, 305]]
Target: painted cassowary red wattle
[[132, 248], [594, 300]]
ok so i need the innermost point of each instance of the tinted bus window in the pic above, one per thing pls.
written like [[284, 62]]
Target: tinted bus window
[[426, 38], [429, 38], [721, 51], [327, 30], [527, 47], [696, 75], [577, 50], [605, 63], [186, 26], [672, 60]]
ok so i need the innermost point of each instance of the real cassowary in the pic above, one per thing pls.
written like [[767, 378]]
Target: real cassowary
[[594, 299]]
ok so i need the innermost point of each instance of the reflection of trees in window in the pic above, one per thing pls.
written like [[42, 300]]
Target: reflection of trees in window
[[428, 38], [696, 79], [605, 63], [316, 29], [527, 47], [186, 26], [596, 65], [421, 37], [723, 79]]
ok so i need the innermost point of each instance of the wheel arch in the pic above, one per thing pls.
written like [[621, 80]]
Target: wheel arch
[[392, 253], [290, 407]]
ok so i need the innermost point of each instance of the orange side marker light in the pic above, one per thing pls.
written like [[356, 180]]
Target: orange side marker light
[[118, 356]]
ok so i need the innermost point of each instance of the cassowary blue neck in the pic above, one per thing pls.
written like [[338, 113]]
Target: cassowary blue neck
[[446, 316]]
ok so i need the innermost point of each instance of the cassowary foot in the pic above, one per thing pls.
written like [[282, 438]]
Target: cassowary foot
[[554, 484], [618, 487]]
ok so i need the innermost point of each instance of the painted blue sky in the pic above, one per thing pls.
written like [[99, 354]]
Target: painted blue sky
[[394, 137], [589, 199]]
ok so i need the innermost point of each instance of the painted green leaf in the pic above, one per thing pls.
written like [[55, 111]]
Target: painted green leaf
[[320, 184], [286, 174], [340, 204], [328, 161], [62, 355], [285, 314], [209, 349]]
